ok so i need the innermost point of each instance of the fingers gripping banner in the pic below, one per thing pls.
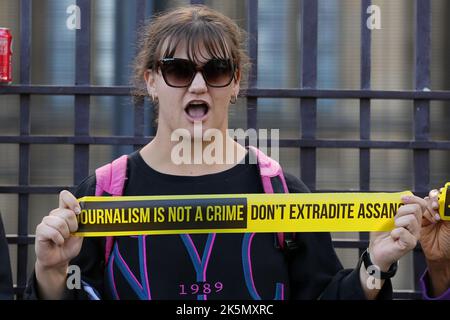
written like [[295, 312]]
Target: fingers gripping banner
[[444, 202]]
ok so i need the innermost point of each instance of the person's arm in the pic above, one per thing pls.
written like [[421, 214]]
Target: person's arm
[[316, 272], [370, 284], [435, 242], [91, 263], [49, 280], [6, 288], [435, 282], [440, 278], [385, 249]]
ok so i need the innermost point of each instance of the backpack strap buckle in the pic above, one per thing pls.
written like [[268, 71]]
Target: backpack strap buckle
[[290, 245]]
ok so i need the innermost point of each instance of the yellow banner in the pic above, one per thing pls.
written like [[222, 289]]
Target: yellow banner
[[234, 213]]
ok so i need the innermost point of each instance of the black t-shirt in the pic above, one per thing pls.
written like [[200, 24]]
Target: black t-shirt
[[210, 266]]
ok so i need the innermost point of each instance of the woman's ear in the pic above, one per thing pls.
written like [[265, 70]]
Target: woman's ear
[[149, 78], [236, 82]]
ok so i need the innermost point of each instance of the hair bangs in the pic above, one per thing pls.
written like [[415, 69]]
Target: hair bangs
[[207, 42], [202, 41]]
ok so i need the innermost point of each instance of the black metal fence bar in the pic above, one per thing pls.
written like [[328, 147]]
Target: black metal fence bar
[[54, 189], [283, 143], [364, 107], [348, 94], [252, 26], [422, 110], [24, 148], [66, 90], [139, 118], [32, 189], [249, 93], [308, 109], [402, 295], [422, 81], [82, 102], [21, 240]]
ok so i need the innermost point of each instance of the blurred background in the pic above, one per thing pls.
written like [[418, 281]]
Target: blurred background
[[279, 52]]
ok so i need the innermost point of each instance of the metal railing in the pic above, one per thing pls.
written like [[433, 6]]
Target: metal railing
[[307, 96]]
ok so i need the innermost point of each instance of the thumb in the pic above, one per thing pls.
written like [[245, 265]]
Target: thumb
[[68, 201]]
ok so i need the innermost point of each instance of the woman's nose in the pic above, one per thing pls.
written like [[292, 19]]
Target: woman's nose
[[198, 84]]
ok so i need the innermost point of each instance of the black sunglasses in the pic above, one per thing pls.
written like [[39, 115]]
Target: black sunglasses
[[179, 73]]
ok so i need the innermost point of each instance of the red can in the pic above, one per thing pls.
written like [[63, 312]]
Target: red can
[[5, 56]]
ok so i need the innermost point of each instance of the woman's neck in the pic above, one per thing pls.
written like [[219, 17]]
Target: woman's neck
[[192, 157]]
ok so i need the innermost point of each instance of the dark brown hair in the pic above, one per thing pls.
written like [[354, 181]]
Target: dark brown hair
[[196, 26]]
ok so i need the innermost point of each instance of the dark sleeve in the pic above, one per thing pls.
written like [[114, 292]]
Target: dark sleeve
[[425, 285], [6, 288], [315, 270], [90, 260]]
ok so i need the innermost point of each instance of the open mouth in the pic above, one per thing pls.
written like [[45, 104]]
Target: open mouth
[[196, 110]]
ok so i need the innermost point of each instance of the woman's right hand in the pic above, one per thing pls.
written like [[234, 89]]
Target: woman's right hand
[[55, 245]]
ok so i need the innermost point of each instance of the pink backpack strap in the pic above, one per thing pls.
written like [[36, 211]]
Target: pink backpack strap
[[272, 179], [270, 171], [110, 178]]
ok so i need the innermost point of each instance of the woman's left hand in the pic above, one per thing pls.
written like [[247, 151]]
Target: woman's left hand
[[435, 242], [388, 247], [435, 236]]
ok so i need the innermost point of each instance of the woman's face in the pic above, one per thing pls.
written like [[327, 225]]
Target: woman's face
[[198, 104]]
